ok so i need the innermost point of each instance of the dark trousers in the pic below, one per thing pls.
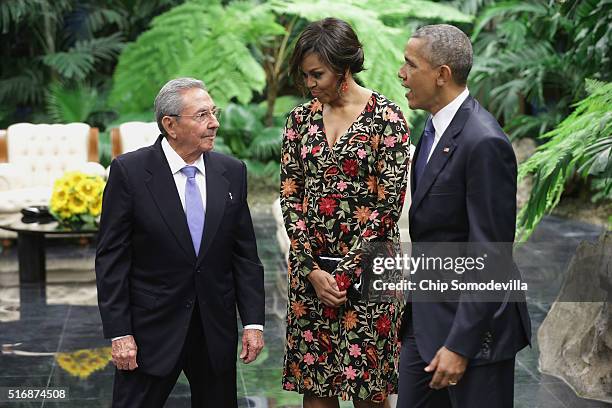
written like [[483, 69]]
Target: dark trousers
[[134, 389], [483, 386]]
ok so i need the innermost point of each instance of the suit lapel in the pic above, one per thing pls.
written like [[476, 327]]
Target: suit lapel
[[217, 190], [412, 175], [162, 187], [443, 151]]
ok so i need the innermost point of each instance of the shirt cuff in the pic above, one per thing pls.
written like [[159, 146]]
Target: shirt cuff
[[120, 337], [254, 326]]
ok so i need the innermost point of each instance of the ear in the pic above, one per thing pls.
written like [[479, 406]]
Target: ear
[[169, 124], [444, 75]]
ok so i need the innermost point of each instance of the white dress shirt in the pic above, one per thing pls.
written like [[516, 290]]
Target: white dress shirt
[[176, 163], [444, 116]]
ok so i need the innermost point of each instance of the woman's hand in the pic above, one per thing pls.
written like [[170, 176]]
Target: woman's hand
[[327, 289]]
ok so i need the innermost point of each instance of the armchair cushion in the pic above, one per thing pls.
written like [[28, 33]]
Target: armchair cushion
[[39, 154], [45, 152], [131, 136]]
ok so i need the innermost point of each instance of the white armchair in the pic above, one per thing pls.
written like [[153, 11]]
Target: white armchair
[[32, 157], [131, 136]]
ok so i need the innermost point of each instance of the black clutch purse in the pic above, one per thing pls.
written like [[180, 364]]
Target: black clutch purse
[[329, 264]]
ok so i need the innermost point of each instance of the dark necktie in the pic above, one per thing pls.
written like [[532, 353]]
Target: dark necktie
[[426, 144]]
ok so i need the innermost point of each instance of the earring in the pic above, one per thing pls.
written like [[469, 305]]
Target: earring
[[344, 86]]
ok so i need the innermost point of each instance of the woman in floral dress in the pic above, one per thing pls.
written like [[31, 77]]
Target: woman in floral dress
[[344, 160]]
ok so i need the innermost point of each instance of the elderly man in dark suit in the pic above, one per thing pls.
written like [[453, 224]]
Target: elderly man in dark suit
[[176, 253], [458, 354]]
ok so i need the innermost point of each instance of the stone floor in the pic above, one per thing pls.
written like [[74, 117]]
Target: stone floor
[[55, 339]]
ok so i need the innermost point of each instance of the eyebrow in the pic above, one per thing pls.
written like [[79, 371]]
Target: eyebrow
[[317, 69], [407, 59]]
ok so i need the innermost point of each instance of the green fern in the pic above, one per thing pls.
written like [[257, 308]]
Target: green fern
[[25, 87], [193, 39], [71, 104], [582, 142], [532, 58], [420, 10], [267, 143]]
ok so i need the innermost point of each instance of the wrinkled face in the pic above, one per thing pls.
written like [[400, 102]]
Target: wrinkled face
[[319, 78], [193, 136], [418, 76]]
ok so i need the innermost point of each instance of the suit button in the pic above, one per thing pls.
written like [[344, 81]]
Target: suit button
[[188, 304]]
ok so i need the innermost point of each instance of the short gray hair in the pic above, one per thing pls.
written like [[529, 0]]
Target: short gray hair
[[169, 100], [447, 45]]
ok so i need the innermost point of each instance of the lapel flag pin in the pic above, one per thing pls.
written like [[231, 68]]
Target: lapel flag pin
[[446, 149], [230, 196]]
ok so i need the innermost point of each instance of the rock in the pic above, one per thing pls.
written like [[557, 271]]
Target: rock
[[523, 149], [576, 337]]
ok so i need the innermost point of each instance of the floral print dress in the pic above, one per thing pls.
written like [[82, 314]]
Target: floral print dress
[[335, 199]]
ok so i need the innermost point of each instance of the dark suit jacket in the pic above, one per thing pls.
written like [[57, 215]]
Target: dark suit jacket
[[467, 193], [148, 275]]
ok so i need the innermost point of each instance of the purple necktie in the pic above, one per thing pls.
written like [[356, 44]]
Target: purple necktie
[[428, 138], [194, 209]]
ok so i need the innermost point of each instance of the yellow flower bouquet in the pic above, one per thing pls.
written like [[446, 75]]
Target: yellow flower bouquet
[[77, 199]]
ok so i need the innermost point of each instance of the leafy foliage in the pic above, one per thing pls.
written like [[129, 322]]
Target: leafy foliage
[[382, 30], [532, 59], [244, 135], [198, 39], [244, 36], [73, 42], [241, 49], [74, 104], [583, 143]]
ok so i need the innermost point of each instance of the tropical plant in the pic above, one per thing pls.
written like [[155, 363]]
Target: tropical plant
[[241, 50], [202, 39], [251, 43], [71, 104], [73, 42], [244, 134], [532, 58], [582, 143]]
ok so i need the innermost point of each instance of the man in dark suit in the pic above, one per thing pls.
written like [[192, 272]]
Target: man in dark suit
[[463, 178], [176, 253]]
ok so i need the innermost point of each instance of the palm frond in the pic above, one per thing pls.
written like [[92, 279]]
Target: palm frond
[[193, 40], [25, 87], [419, 9], [538, 8], [268, 169], [71, 65], [576, 144], [15, 11], [71, 104], [99, 17], [266, 145]]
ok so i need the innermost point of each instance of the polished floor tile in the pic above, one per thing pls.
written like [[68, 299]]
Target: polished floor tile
[[53, 337]]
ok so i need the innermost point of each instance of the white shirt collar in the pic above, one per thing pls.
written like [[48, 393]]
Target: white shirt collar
[[444, 116], [176, 162]]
